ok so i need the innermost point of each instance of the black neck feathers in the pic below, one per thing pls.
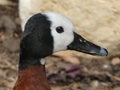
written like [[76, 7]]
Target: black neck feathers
[[37, 41]]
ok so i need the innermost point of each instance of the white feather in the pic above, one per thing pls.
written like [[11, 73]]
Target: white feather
[[61, 40], [42, 61]]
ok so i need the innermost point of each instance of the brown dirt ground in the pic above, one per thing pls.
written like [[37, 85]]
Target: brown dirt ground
[[62, 75]]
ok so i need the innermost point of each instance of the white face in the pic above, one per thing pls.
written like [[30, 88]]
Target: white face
[[61, 39]]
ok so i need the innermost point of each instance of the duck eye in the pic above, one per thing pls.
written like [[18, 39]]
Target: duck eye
[[59, 29]]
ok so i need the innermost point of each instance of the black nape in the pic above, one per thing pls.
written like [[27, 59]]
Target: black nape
[[37, 41]]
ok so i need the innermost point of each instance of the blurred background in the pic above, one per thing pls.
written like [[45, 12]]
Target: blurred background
[[96, 20]]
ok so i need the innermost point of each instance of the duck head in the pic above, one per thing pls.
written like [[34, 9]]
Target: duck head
[[46, 33]]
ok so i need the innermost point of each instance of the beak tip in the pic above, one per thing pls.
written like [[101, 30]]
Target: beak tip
[[103, 52]]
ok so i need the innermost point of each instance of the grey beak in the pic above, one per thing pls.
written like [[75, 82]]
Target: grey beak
[[82, 45]]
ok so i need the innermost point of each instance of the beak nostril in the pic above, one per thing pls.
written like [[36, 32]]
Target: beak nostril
[[80, 40]]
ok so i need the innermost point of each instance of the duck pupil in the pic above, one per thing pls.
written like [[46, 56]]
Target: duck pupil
[[59, 29]]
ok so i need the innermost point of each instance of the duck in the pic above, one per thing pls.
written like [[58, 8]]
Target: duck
[[44, 34]]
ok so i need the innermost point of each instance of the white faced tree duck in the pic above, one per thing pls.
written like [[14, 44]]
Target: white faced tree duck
[[44, 34]]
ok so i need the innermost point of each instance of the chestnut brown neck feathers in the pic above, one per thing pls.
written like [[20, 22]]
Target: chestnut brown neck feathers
[[32, 78]]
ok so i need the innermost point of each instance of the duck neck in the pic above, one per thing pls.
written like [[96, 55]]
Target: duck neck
[[27, 61], [32, 75], [32, 78], [36, 70]]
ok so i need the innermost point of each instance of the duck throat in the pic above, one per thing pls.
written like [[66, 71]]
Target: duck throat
[[32, 78]]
